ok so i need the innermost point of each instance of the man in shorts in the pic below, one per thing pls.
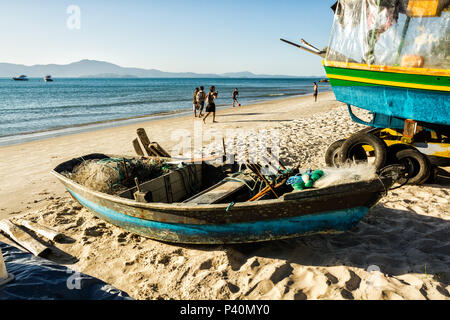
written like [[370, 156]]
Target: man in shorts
[[211, 105], [201, 97]]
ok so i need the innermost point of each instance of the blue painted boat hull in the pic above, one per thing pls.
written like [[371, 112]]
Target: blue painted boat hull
[[325, 222], [327, 210]]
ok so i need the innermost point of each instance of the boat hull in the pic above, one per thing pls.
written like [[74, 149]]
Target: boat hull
[[420, 97], [334, 221], [329, 210]]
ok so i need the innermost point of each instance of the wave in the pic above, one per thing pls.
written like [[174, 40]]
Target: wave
[[97, 105]]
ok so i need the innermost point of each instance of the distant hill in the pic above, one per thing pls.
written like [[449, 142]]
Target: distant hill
[[101, 69]]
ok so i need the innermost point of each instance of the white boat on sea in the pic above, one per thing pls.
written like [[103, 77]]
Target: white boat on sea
[[21, 78]]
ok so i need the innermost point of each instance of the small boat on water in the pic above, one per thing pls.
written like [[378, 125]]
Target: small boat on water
[[200, 203], [20, 78], [48, 78]]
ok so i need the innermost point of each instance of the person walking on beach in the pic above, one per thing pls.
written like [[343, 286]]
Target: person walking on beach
[[235, 95], [194, 102], [316, 91], [210, 104], [201, 97]]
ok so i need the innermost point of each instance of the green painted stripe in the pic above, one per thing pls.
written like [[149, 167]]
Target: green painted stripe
[[345, 83], [389, 76]]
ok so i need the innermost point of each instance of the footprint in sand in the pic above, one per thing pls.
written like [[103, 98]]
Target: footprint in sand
[[353, 283], [281, 273], [206, 265]]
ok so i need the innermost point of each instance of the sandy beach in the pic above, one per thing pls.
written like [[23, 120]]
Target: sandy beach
[[401, 250]]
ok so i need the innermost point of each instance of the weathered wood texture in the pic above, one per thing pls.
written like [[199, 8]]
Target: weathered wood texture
[[172, 187], [23, 238], [219, 192], [137, 148], [144, 140], [158, 150]]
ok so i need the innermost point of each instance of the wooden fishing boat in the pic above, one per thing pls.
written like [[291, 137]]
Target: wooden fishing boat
[[219, 212]]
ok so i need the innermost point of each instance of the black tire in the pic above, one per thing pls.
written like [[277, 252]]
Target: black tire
[[332, 154], [394, 149], [418, 164], [352, 149]]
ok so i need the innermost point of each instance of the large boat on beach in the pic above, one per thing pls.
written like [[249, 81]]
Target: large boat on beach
[[21, 78], [391, 58]]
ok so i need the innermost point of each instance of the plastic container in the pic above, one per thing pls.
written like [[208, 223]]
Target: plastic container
[[4, 276], [425, 8]]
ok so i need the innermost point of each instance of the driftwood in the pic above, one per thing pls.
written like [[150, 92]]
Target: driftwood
[[23, 238], [41, 230]]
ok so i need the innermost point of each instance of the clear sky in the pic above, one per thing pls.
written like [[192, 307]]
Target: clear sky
[[169, 35]]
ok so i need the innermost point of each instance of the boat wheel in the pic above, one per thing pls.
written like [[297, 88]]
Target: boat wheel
[[418, 166], [332, 154], [352, 150]]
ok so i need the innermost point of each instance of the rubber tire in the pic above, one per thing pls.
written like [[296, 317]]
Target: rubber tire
[[361, 139], [394, 149], [332, 154], [420, 159]]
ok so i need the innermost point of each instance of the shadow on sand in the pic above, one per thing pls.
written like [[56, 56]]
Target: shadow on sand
[[397, 241]]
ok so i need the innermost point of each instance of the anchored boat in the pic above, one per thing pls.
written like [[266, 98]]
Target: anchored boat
[[392, 59], [201, 203], [21, 78]]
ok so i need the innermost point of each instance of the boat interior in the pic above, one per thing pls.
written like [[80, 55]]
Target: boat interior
[[151, 180]]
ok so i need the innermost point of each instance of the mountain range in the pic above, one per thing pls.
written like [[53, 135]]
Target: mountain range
[[101, 69]]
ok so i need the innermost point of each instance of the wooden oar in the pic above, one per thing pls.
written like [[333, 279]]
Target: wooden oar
[[254, 168]]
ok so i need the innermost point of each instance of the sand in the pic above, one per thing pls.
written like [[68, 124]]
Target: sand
[[401, 250]]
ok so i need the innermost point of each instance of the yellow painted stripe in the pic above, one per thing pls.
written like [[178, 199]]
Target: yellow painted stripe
[[358, 66], [390, 83]]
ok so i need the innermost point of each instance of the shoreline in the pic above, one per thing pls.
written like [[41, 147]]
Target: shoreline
[[25, 168], [17, 139], [405, 235]]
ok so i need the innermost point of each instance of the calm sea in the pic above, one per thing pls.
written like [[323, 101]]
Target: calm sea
[[36, 106]]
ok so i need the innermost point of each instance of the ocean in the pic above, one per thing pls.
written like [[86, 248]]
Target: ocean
[[34, 106]]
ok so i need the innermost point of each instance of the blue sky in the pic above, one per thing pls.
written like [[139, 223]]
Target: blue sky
[[171, 35]]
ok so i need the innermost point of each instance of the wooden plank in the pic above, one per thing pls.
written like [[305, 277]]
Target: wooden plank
[[168, 186], [218, 192], [144, 140], [157, 149], [158, 188], [137, 148], [42, 230], [23, 238]]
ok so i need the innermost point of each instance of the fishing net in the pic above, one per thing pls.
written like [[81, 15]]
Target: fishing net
[[113, 175], [347, 174]]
